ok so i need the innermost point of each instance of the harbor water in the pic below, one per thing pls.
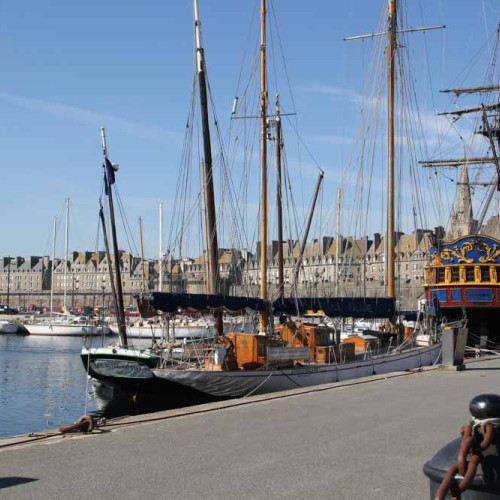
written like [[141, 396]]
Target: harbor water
[[44, 385]]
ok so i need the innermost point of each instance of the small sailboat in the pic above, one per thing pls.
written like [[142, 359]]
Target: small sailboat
[[57, 324]]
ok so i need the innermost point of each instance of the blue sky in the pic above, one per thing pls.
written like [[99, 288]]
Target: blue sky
[[68, 68]]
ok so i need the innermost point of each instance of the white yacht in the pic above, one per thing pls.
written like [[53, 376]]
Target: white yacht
[[78, 326]]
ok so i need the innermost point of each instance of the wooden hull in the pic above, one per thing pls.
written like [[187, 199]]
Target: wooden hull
[[244, 383]]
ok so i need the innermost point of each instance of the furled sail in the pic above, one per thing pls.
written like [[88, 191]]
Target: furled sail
[[338, 307], [173, 302]]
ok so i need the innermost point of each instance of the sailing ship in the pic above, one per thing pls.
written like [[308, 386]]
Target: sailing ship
[[294, 353], [463, 272]]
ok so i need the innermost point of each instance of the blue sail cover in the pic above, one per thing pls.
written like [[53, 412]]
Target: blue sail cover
[[173, 302], [338, 307], [334, 307]]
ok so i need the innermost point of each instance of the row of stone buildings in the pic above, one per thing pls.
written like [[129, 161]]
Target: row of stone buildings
[[359, 271]]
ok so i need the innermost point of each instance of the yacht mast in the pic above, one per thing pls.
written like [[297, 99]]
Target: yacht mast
[[66, 233], [263, 164], [143, 271], [8, 282], [281, 280], [211, 226], [160, 249], [339, 242], [53, 264], [120, 314]]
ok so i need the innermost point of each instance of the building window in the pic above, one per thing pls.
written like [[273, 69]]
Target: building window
[[455, 275]]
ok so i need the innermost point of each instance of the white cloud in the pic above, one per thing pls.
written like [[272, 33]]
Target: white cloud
[[97, 119]]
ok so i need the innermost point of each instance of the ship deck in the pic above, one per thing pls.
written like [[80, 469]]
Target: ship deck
[[362, 438]]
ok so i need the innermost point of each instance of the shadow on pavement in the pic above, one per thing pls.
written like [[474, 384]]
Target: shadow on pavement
[[6, 482]]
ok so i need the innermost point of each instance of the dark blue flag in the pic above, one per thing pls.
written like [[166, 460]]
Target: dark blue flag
[[109, 174]]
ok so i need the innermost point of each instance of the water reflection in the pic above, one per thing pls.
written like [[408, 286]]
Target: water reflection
[[113, 402], [43, 385]]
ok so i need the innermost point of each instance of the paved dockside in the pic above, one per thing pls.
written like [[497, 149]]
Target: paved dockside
[[365, 440]]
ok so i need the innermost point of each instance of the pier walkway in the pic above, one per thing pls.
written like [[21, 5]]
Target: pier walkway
[[365, 439]]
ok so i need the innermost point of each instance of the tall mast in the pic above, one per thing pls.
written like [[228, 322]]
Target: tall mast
[[391, 33], [211, 229], [108, 257], [263, 164], [8, 282], [160, 249], [281, 279], [391, 54], [120, 314], [53, 264], [338, 244], [66, 233], [143, 274]]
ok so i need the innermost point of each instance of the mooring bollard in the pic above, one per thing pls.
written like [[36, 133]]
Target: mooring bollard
[[454, 341], [469, 467]]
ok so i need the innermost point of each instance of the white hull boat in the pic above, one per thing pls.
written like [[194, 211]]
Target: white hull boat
[[6, 327], [234, 384], [158, 331], [69, 330]]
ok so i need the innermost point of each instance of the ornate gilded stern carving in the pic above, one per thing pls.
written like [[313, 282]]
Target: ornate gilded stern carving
[[492, 253], [459, 253], [468, 250]]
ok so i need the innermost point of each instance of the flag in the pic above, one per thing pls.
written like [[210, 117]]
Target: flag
[[109, 174]]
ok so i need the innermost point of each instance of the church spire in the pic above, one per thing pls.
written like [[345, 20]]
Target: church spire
[[462, 222]]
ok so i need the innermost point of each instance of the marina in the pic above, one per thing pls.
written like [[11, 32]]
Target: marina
[[315, 304]]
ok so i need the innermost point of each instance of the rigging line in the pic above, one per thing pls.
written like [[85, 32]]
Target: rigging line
[[228, 178], [304, 144], [125, 223], [486, 26], [470, 65], [251, 31], [283, 56]]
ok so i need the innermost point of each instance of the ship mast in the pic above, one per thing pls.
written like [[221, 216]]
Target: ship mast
[[120, 314], [263, 164], [208, 184], [391, 34], [279, 204], [391, 53]]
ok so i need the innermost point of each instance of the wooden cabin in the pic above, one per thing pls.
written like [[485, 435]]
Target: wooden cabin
[[362, 342]]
